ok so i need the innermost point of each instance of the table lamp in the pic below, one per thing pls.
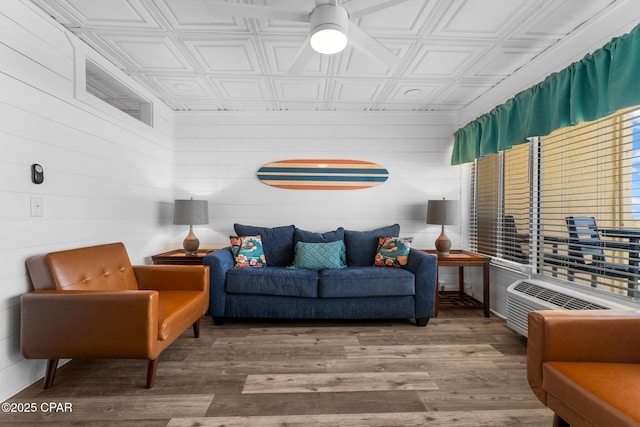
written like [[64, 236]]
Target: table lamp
[[442, 212], [191, 212]]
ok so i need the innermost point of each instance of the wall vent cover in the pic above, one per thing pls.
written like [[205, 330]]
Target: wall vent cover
[[524, 296]]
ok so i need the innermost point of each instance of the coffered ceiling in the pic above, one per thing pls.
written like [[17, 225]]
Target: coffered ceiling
[[451, 51]]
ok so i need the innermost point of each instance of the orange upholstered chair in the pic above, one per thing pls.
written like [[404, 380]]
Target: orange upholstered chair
[[92, 303]]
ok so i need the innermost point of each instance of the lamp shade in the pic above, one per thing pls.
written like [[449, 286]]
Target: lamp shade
[[442, 212], [191, 212]]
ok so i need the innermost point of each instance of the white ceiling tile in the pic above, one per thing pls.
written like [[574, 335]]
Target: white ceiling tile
[[182, 87], [194, 15], [243, 89], [103, 14], [462, 93], [501, 62], [439, 62], [356, 63], [481, 17], [300, 89], [403, 19], [224, 55], [414, 92], [357, 90], [558, 18], [150, 53], [280, 52]]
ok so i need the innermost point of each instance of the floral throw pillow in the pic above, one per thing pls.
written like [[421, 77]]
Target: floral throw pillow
[[247, 251], [393, 251]]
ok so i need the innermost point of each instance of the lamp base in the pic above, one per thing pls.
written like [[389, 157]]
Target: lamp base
[[443, 244], [191, 243]]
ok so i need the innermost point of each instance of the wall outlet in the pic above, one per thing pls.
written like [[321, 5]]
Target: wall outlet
[[37, 206]]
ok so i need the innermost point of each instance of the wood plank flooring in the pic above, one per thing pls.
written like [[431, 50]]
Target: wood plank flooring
[[461, 370]]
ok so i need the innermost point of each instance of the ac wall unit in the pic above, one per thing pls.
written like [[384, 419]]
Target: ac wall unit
[[528, 295]]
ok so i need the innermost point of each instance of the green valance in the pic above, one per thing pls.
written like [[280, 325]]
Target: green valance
[[603, 82]]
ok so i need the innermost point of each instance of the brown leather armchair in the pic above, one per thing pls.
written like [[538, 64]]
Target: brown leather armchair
[[585, 365], [92, 303]]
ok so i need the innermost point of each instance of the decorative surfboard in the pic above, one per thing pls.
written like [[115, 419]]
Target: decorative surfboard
[[322, 174]]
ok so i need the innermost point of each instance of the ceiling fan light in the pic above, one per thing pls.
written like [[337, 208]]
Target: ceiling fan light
[[328, 39], [329, 24]]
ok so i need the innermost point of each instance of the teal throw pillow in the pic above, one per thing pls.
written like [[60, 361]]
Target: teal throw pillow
[[247, 251], [393, 251], [318, 256]]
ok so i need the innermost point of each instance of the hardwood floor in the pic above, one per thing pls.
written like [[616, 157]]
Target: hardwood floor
[[461, 370]]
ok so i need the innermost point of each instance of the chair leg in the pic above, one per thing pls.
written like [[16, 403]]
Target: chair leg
[[151, 372], [196, 329], [52, 366], [559, 422]]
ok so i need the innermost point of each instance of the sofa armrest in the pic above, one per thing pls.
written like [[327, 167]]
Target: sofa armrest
[[76, 324], [219, 263], [424, 266], [172, 277], [580, 336]]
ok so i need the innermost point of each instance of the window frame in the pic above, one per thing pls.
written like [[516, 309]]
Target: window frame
[[616, 133]]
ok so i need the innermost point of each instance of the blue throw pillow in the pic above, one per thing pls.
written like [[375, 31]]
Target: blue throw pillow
[[362, 245], [393, 251], [318, 256], [277, 242], [300, 235]]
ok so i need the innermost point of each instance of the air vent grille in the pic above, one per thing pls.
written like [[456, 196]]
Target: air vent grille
[[561, 300], [528, 295]]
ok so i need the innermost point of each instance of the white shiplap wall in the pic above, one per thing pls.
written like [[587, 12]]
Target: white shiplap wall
[[218, 154], [107, 177]]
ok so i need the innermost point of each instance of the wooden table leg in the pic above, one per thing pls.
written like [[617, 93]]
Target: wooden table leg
[[485, 291]]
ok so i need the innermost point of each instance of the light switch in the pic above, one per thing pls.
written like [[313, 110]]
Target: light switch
[[37, 208]]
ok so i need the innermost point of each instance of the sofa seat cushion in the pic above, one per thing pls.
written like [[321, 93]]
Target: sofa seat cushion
[[366, 281], [281, 281], [603, 393], [176, 311]]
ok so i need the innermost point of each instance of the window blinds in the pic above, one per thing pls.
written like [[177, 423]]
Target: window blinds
[[500, 219], [567, 205], [589, 229]]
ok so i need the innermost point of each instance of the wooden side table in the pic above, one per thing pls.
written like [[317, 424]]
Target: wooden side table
[[178, 257], [459, 299]]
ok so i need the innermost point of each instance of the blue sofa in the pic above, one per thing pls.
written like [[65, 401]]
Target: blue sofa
[[359, 291]]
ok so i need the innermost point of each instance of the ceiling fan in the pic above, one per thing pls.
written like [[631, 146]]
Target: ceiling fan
[[331, 27]]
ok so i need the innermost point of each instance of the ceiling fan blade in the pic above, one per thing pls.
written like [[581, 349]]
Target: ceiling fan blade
[[302, 57], [239, 10], [359, 8], [370, 47]]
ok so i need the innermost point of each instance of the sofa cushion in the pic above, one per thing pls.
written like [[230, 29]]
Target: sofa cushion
[[270, 280], [318, 256], [393, 251], [247, 251], [362, 245], [300, 235], [277, 242], [177, 309], [366, 281], [605, 394]]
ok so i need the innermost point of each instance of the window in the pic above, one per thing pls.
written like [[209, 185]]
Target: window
[[583, 225], [500, 208], [104, 86]]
